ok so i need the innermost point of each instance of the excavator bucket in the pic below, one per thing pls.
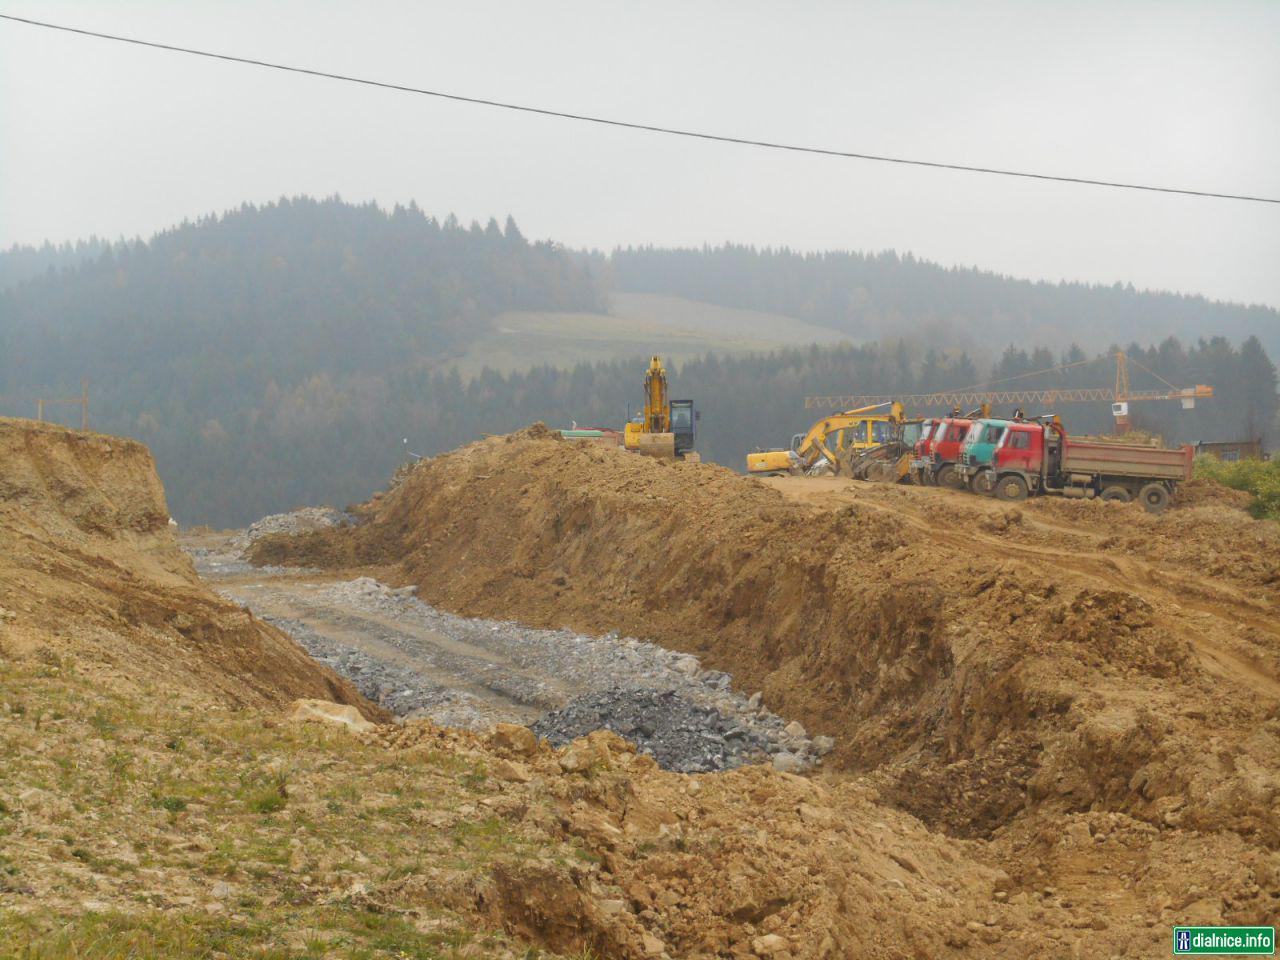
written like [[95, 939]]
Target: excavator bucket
[[660, 445]]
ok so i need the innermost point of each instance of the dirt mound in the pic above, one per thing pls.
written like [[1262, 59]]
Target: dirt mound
[[1203, 492], [90, 577], [749, 863], [754, 863], [978, 661]]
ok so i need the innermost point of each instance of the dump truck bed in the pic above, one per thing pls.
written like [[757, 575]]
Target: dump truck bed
[[1126, 460]]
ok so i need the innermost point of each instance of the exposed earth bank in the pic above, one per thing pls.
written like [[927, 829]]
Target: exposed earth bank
[[1057, 729], [89, 567], [1012, 673]]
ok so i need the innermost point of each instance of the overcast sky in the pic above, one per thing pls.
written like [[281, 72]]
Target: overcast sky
[[97, 137]]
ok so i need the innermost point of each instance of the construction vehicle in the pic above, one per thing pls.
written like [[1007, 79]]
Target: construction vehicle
[[977, 452], [890, 460], [666, 428], [937, 452], [830, 444], [1119, 397], [1016, 459]]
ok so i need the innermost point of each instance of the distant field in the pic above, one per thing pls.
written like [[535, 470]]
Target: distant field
[[637, 324]]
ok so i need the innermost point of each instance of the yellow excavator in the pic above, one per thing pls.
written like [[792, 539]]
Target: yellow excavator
[[833, 445], [667, 428]]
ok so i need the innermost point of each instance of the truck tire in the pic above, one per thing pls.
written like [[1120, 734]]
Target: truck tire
[[947, 477], [1117, 492], [982, 483], [1011, 487], [1154, 497]]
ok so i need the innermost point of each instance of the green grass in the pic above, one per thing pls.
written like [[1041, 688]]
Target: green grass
[[169, 935], [638, 325], [1258, 477], [144, 807]]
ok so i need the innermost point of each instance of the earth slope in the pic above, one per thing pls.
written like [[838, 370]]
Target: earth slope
[[90, 571], [1037, 676]]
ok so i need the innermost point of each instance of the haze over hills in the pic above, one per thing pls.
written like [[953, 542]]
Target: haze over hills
[[280, 355]]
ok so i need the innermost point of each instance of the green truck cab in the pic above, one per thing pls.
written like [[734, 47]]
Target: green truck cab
[[978, 452]]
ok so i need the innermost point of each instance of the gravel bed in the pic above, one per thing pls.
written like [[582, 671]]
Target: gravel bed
[[419, 661], [403, 690], [688, 718]]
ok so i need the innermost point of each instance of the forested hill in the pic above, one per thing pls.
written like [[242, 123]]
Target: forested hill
[[21, 263], [280, 355], [870, 296], [280, 292]]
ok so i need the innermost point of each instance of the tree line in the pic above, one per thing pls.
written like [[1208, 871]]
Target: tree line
[[282, 355], [874, 295]]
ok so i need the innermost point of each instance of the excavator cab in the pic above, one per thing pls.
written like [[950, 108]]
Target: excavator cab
[[683, 425]]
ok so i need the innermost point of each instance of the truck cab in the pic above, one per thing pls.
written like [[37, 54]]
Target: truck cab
[[939, 462], [1017, 461], [979, 446]]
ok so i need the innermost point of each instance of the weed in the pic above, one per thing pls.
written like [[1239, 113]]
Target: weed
[[118, 764], [267, 800], [103, 724]]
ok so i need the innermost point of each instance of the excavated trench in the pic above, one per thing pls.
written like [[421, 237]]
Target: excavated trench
[[418, 661], [976, 662]]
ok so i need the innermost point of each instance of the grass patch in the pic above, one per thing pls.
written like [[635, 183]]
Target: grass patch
[[166, 935]]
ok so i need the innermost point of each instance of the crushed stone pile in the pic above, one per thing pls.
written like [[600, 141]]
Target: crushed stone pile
[[303, 520], [681, 735]]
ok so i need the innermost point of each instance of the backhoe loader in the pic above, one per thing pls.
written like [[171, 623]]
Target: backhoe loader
[[831, 445], [890, 460]]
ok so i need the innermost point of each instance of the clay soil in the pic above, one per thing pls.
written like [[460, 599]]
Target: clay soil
[[1057, 723], [90, 573], [1090, 693]]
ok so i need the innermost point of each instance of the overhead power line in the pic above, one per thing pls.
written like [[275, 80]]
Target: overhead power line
[[628, 125]]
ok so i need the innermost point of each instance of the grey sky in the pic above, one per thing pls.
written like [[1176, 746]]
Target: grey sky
[[103, 138]]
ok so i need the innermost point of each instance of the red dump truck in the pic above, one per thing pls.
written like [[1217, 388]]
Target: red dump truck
[[1034, 458], [938, 452]]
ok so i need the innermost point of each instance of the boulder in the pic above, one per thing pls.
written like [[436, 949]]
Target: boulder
[[510, 771], [323, 711], [514, 738]]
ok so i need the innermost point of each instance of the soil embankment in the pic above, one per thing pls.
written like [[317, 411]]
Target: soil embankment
[[90, 574], [977, 660]]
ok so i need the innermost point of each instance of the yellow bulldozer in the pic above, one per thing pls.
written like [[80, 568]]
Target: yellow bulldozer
[[833, 445], [666, 428]]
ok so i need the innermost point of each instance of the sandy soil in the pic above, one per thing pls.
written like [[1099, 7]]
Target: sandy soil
[[1057, 724], [1090, 692]]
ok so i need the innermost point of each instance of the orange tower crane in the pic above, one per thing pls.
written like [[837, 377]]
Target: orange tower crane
[[1120, 396]]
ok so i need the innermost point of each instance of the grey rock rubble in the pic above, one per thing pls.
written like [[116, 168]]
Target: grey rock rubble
[[298, 521], [677, 731], [419, 661]]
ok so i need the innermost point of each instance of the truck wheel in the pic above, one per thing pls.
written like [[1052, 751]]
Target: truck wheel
[[1117, 492], [947, 477], [983, 483], [1153, 497], [1011, 487]]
